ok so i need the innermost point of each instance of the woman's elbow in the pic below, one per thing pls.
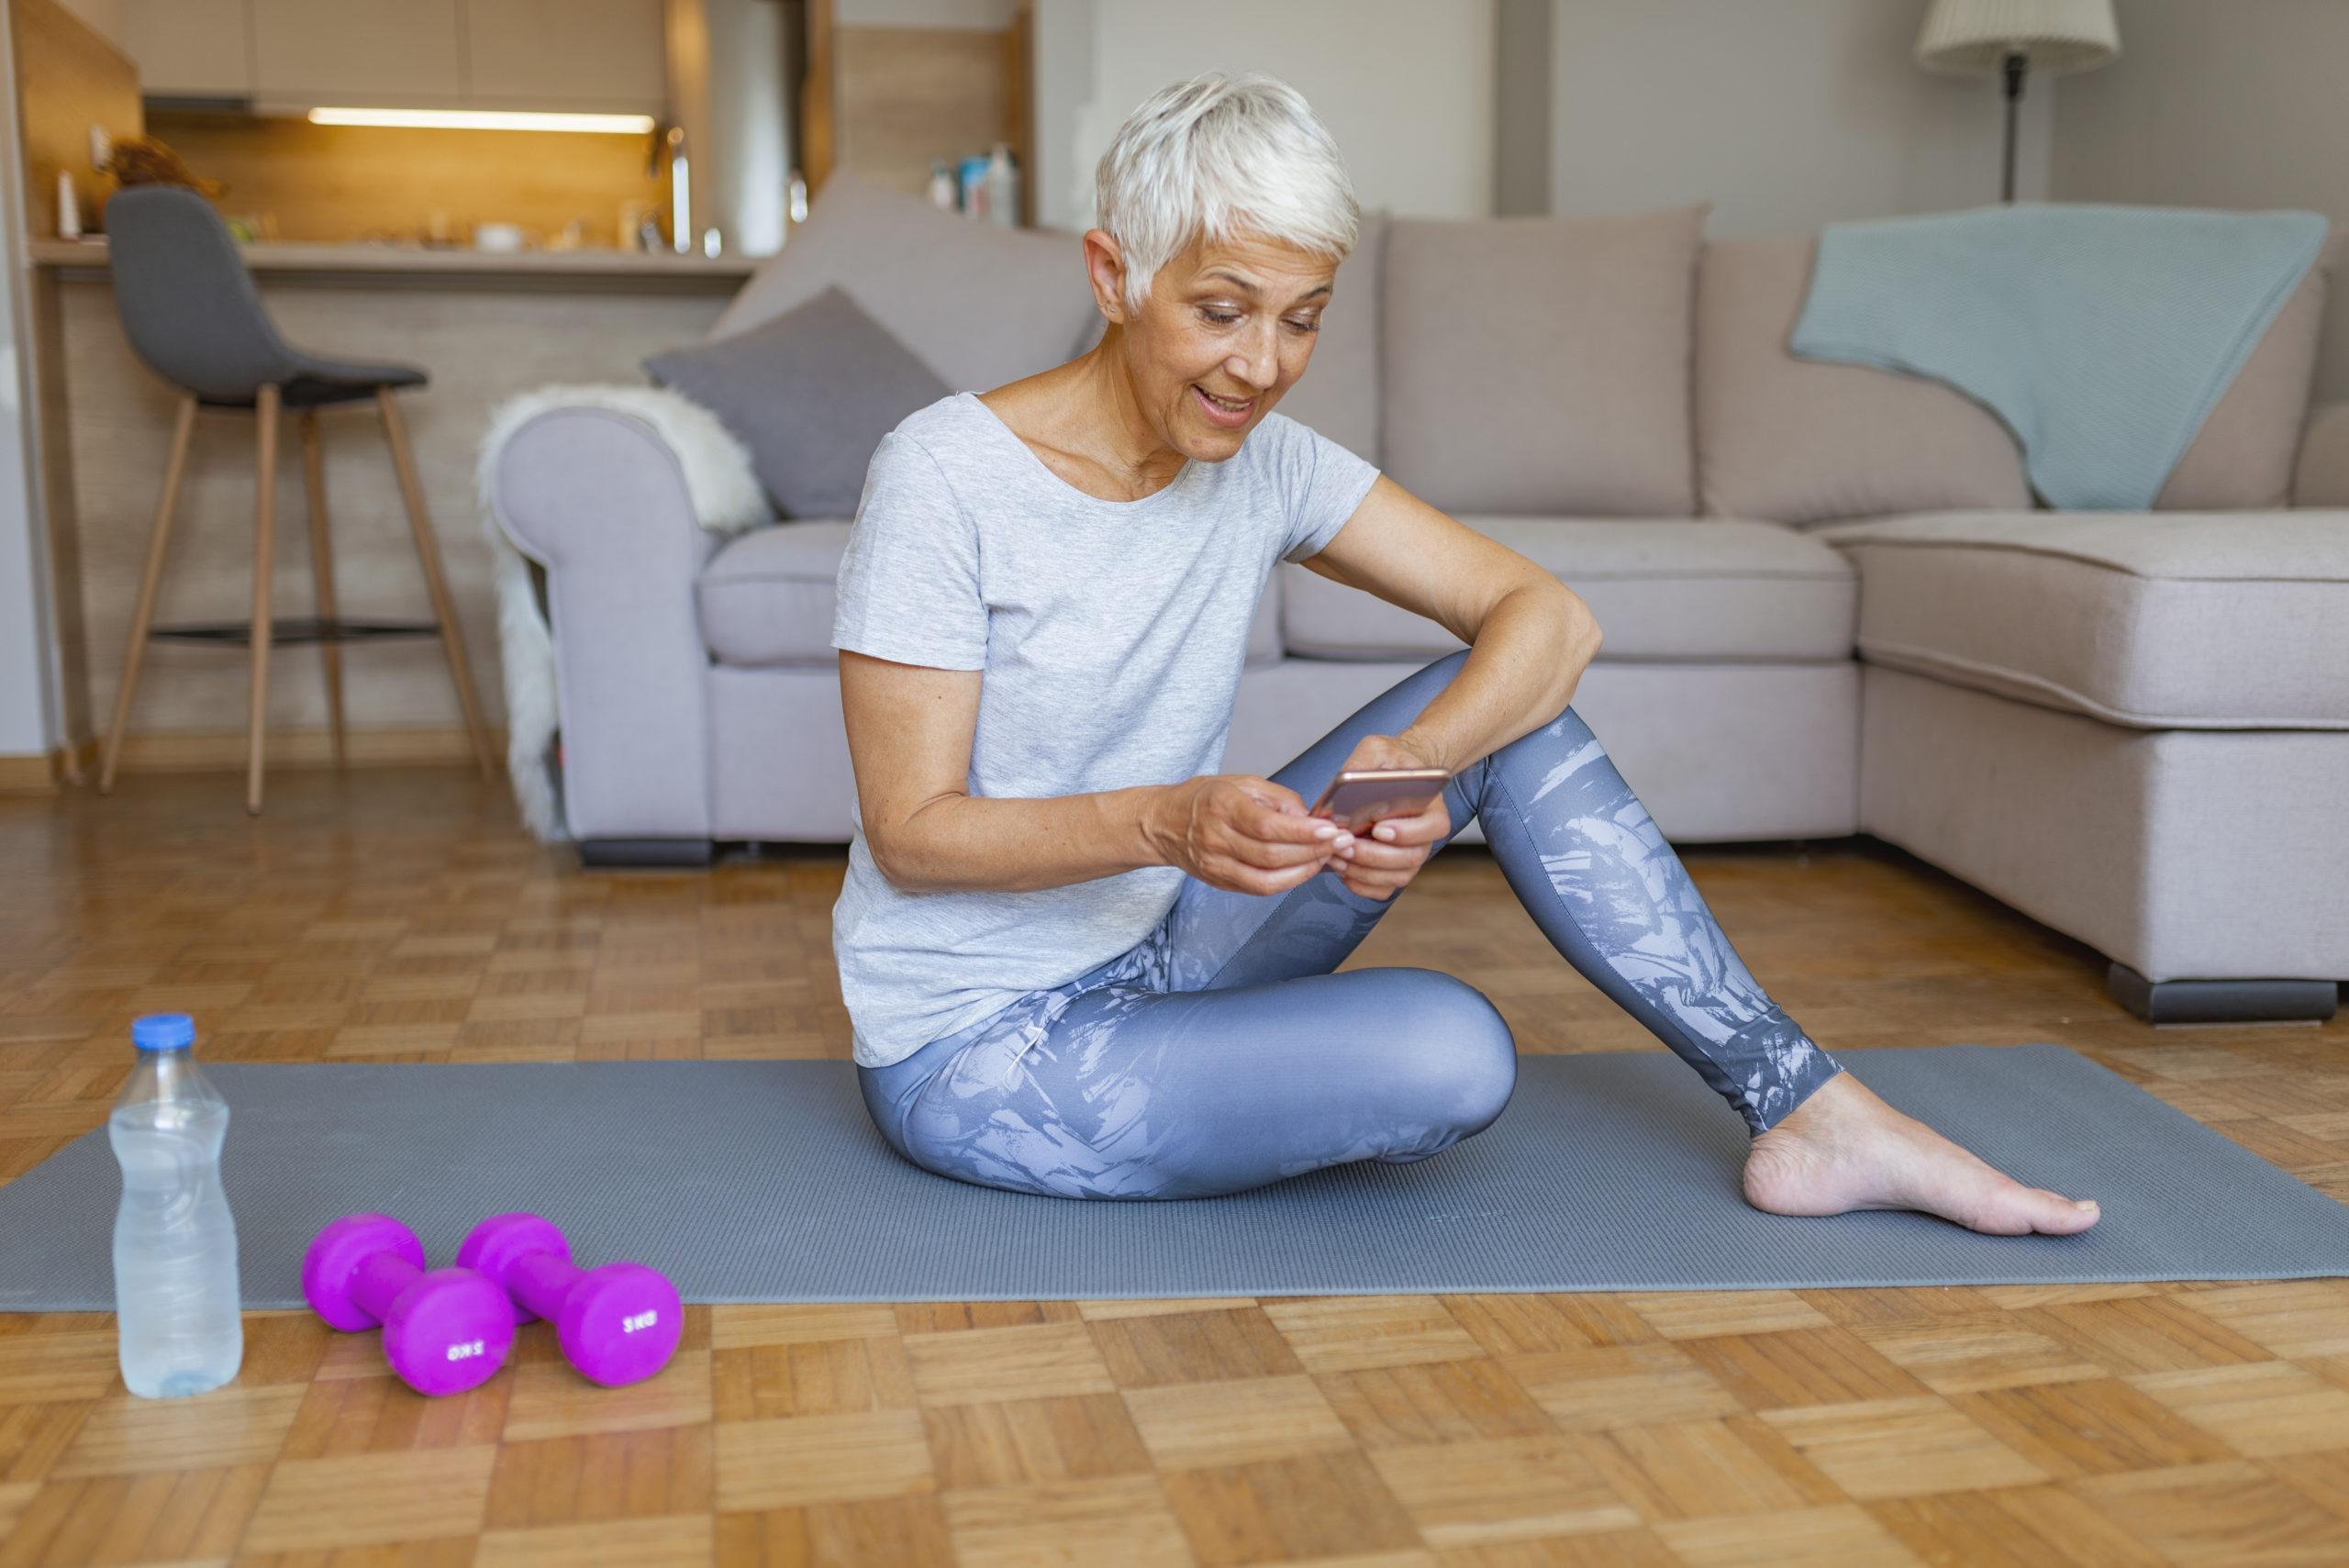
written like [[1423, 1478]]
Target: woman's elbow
[[897, 860], [903, 869], [887, 861], [910, 847]]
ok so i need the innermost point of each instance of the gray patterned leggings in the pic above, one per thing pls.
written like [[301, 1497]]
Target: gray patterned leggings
[[1222, 1053]]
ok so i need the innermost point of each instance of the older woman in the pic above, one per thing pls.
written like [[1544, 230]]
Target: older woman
[[1083, 963]]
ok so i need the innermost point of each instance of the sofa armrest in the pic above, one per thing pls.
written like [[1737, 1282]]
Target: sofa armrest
[[2322, 476], [599, 500]]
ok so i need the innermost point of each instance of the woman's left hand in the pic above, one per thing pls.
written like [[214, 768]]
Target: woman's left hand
[[1381, 862]]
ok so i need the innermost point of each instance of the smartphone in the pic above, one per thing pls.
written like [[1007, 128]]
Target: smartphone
[[1355, 800]]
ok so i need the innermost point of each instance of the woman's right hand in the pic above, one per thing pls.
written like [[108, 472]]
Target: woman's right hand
[[1241, 833]]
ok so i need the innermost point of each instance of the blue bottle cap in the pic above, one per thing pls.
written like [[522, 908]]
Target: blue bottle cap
[[163, 1032]]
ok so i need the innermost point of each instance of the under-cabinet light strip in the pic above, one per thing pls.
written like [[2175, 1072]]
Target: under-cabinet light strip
[[485, 119]]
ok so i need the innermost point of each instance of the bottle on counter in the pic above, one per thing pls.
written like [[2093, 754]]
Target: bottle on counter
[[972, 176], [1003, 187], [176, 1286], [943, 194]]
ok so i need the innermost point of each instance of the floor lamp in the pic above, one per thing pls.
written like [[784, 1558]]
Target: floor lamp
[[2008, 39]]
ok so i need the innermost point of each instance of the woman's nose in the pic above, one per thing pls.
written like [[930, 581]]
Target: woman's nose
[[1259, 362]]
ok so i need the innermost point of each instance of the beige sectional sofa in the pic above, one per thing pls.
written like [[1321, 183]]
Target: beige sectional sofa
[[1828, 606]]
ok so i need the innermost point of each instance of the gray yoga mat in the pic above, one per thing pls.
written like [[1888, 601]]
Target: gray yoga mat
[[765, 1181]]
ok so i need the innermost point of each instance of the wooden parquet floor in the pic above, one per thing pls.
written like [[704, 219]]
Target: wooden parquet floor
[[401, 917]]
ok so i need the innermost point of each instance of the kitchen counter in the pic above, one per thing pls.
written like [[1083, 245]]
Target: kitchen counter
[[411, 266]]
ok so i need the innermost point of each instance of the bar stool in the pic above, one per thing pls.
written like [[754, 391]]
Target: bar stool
[[192, 313]]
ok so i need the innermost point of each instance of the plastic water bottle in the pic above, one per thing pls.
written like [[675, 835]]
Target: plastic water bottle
[[174, 1243], [1003, 187]]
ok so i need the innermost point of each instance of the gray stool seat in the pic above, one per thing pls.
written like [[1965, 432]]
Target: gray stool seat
[[192, 312], [323, 381]]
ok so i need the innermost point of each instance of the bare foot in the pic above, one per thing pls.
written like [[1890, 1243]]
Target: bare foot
[[1845, 1149]]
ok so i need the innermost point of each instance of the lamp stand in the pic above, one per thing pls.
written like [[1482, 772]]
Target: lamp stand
[[2012, 68]]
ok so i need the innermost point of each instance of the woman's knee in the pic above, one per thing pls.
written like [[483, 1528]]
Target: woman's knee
[[1451, 1054]]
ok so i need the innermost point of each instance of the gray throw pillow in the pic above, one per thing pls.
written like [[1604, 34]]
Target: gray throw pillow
[[984, 307], [811, 394]]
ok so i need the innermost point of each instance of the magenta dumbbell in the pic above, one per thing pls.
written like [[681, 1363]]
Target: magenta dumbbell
[[444, 1331], [616, 1324]]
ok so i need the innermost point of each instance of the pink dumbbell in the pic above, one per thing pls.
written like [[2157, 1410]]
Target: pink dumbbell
[[616, 1324], [444, 1331]]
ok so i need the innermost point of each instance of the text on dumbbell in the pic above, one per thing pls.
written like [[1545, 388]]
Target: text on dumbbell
[[641, 1320], [469, 1350]]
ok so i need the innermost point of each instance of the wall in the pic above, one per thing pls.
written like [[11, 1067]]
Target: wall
[[67, 79], [1785, 114], [1523, 59], [904, 97], [30, 721], [103, 17], [2234, 106], [1405, 85], [27, 724], [1063, 44]]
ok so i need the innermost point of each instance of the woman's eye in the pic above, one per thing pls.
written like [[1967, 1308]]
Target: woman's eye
[[1220, 317], [1305, 324]]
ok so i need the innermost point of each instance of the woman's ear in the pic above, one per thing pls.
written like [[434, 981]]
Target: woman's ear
[[1105, 263]]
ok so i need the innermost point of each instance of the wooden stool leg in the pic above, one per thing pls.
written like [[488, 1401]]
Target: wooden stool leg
[[428, 554], [314, 472], [264, 511], [143, 615]]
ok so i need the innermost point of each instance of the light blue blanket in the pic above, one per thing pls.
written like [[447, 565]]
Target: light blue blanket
[[2101, 335]]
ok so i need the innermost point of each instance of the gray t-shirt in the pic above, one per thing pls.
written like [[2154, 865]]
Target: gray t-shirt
[[1112, 635]]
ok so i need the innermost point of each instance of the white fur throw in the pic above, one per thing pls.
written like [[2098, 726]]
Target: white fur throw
[[726, 500]]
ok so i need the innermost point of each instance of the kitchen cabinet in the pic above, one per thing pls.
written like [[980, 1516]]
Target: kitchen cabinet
[[404, 54], [581, 55], [566, 54], [195, 48]]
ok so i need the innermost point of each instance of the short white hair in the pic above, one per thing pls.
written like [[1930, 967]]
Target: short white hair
[[1218, 156]]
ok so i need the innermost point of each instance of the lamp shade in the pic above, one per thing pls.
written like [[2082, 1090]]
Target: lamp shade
[[1973, 38]]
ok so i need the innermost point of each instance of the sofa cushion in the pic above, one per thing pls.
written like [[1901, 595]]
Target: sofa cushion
[[766, 598], [982, 306], [2321, 474], [811, 394], [2242, 458], [2157, 620], [1339, 395], [1799, 440], [1539, 366], [1719, 591]]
